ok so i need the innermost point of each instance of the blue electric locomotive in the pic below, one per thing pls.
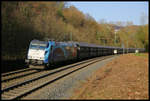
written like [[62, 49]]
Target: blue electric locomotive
[[43, 53]]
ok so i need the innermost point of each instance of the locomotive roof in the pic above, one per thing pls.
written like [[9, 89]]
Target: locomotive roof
[[38, 42], [83, 44], [66, 43]]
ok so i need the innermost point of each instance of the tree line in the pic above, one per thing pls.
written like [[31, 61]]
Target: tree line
[[25, 21]]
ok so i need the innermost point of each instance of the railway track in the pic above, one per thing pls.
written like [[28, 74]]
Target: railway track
[[21, 87], [14, 72], [20, 74]]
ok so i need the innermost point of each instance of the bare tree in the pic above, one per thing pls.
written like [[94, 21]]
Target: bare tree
[[143, 18], [129, 23], [102, 21]]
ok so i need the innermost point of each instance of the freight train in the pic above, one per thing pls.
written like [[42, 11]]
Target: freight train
[[42, 54]]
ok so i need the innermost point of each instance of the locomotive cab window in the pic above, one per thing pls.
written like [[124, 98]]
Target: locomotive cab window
[[47, 45]]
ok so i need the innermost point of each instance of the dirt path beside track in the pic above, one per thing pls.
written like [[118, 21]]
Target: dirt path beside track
[[126, 77]]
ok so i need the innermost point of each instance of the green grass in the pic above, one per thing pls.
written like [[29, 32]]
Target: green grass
[[140, 54]]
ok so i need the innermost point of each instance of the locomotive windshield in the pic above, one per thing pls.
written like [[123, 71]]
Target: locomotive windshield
[[40, 46]]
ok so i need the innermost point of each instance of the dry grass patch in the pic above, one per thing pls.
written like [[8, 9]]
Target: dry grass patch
[[123, 78]]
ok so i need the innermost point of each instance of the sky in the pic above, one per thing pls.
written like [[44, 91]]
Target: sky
[[115, 11]]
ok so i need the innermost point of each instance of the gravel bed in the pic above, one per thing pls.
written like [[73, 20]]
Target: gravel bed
[[64, 88]]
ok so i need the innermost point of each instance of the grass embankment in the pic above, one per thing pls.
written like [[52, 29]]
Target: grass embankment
[[123, 78]]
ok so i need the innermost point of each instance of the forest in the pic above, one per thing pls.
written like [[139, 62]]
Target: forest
[[25, 21]]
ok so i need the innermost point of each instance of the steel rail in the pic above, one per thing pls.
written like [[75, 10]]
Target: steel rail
[[48, 81], [13, 72], [21, 74]]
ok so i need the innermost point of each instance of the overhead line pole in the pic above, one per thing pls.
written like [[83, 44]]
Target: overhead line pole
[[71, 36]]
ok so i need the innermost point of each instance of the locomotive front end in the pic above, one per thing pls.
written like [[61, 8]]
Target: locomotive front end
[[38, 54]]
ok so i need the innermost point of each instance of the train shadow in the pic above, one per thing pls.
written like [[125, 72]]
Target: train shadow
[[64, 63], [60, 64], [7, 66], [11, 65]]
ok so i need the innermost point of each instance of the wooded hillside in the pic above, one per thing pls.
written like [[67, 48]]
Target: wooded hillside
[[24, 21]]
